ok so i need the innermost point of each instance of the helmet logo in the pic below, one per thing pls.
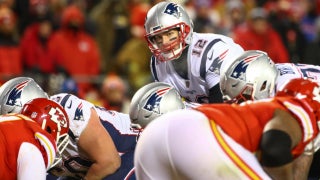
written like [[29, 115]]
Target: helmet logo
[[15, 94], [154, 100], [240, 69], [172, 9], [58, 117]]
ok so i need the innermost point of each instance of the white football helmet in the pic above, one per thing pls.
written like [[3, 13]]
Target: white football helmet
[[18, 91], [151, 101], [251, 76], [163, 17]]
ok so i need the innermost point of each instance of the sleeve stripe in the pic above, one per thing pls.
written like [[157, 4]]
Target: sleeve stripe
[[204, 57], [250, 173], [304, 119], [48, 146], [64, 100]]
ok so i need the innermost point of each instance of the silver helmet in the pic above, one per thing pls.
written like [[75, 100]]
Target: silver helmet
[[163, 17], [18, 91], [151, 101], [251, 76]]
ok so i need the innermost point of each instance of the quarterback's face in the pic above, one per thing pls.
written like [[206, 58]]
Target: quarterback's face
[[167, 39]]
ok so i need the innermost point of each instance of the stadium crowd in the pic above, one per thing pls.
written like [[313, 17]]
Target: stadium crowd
[[93, 57]]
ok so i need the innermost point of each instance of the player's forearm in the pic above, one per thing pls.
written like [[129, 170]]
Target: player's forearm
[[280, 173], [301, 166], [99, 171]]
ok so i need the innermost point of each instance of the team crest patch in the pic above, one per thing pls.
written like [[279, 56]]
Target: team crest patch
[[240, 69], [14, 98], [172, 9], [153, 101], [78, 115]]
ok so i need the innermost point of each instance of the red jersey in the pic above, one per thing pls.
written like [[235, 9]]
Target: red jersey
[[245, 122], [15, 130]]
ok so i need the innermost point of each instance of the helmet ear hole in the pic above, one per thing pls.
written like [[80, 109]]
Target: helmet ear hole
[[48, 129], [263, 86]]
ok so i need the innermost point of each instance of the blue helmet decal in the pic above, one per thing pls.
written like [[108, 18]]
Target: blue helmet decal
[[154, 100], [240, 69], [172, 9], [78, 115], [15, 94]]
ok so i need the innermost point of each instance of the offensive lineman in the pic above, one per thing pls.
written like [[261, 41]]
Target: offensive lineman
[[254, 76], [223, 141], [91, 152], [118, 125]]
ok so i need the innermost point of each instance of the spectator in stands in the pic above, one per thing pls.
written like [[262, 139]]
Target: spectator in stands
[[312, 53], [74, 51], [207, 18], [133, 55], [286, 19], [234, 16], [112, 20], [34, 49], [10, 56], [258, 34], [114, 95], [29, 11]]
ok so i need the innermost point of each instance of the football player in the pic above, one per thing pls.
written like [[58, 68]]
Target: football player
[[254, 140], [189, 61], [76, 163], [254, 76], [32, 141], [88, 138]]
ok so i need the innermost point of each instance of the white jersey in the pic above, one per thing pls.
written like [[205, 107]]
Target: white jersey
[[207, 56], [74, 163], [289, 71]]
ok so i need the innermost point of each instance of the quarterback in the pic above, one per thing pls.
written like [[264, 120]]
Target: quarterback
[[189, 61]]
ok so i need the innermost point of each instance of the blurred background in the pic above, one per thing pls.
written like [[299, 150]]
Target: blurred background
[[96, 49]]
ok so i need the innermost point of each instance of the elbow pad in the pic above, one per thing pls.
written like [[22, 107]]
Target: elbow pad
[[275, 148]]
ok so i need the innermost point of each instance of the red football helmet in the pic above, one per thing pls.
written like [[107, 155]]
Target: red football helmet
[[52, 118], [303, 89]]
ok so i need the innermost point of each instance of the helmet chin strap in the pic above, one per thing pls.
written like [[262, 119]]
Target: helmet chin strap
[[173, 54]]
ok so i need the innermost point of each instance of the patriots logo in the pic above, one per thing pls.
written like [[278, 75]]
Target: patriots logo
[[172, 9], [153, 102], [216, 64], [240, 69], [78, 115], [14, 98]]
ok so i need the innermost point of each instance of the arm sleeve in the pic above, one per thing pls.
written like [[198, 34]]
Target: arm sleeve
[[30, 163]]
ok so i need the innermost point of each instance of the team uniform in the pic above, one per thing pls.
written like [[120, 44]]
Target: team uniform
[[207, 55], [76, 164], [26, 150], [289, 71], [221, 140]]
